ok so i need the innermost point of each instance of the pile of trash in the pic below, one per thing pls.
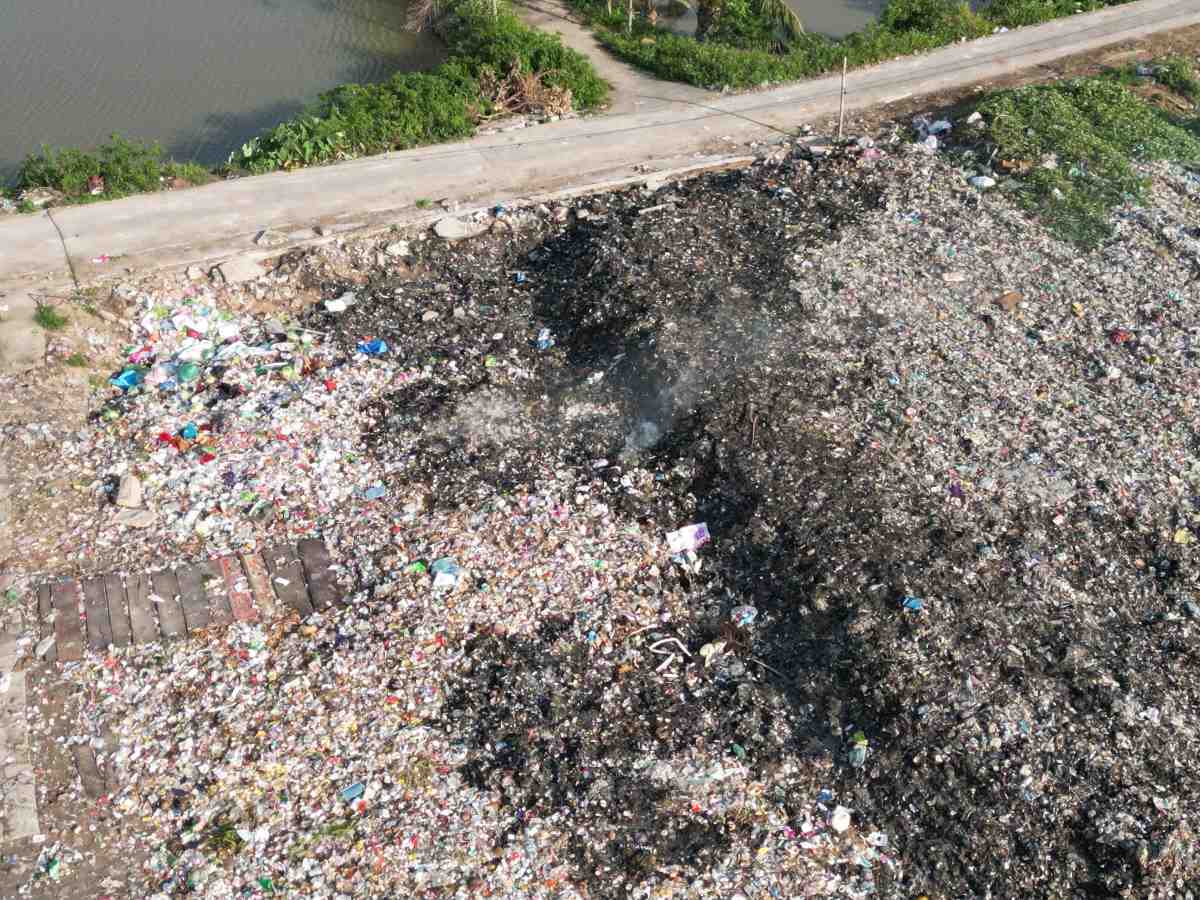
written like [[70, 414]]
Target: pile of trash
[[819, 528], [227, 433]]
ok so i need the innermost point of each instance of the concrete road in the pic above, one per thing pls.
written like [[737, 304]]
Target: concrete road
[[220, 221]]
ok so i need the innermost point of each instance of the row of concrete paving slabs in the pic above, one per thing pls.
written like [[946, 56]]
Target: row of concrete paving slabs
[[139, 609], [121, 611]]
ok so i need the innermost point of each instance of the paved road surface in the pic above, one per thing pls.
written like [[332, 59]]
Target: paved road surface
[[220, 221]]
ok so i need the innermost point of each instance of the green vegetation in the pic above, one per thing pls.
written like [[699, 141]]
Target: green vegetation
[[76, 361], [496, 64], [49, 318], [1179, 75], [424, 203], [117, 168], [1073, 145], [743, 43]]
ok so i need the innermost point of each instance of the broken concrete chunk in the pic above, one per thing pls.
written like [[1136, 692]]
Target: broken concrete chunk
[[129, 494], [452, 229]]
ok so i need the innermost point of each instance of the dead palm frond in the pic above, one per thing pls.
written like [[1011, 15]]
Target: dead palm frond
[[421, 15]]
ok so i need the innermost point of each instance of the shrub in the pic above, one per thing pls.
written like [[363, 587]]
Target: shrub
[[413, 109], [49, 318], [1179, 75], [127, 167]]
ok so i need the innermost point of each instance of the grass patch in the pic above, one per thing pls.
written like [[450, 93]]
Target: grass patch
[[77, 361], [49, 318], [413, 109], [741, 42], [1073, 146], [424, 203]]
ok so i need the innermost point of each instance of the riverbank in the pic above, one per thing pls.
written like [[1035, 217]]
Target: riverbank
[[496, 66]]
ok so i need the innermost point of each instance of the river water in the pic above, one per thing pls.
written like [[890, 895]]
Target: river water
[[199, 76], [202, 76]]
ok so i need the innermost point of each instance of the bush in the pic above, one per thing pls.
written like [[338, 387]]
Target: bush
[[413, 109], [1179, 75], [1017, 13], [127, 167], [934, 17]]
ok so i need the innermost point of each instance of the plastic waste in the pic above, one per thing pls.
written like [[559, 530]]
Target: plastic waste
[[859, 747], [545, 340], [690, 537], [127, 380], [375, 347], [446, 573], [743, 615]]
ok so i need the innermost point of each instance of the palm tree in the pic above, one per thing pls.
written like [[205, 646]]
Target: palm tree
[[776, 13]]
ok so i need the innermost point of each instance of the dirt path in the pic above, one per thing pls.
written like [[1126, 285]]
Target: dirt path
[[633, 90]]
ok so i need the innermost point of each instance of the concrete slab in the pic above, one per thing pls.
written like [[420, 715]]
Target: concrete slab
[[16, 771], [30, 249], [22, 341]]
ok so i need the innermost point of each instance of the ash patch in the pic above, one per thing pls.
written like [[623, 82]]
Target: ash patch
[[638, 309]]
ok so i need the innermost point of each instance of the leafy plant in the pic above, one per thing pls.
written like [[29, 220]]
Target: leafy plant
[[76, 360], [49, 318], [1179, 75], [418, 108]]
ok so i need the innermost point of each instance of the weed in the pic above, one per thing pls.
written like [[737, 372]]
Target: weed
[[77, 361], [424, 203], [223, 839], [49, 318], [1074, 145], [1179, 75]]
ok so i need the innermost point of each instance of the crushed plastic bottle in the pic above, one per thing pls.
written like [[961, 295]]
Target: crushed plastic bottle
[[127, 380]]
